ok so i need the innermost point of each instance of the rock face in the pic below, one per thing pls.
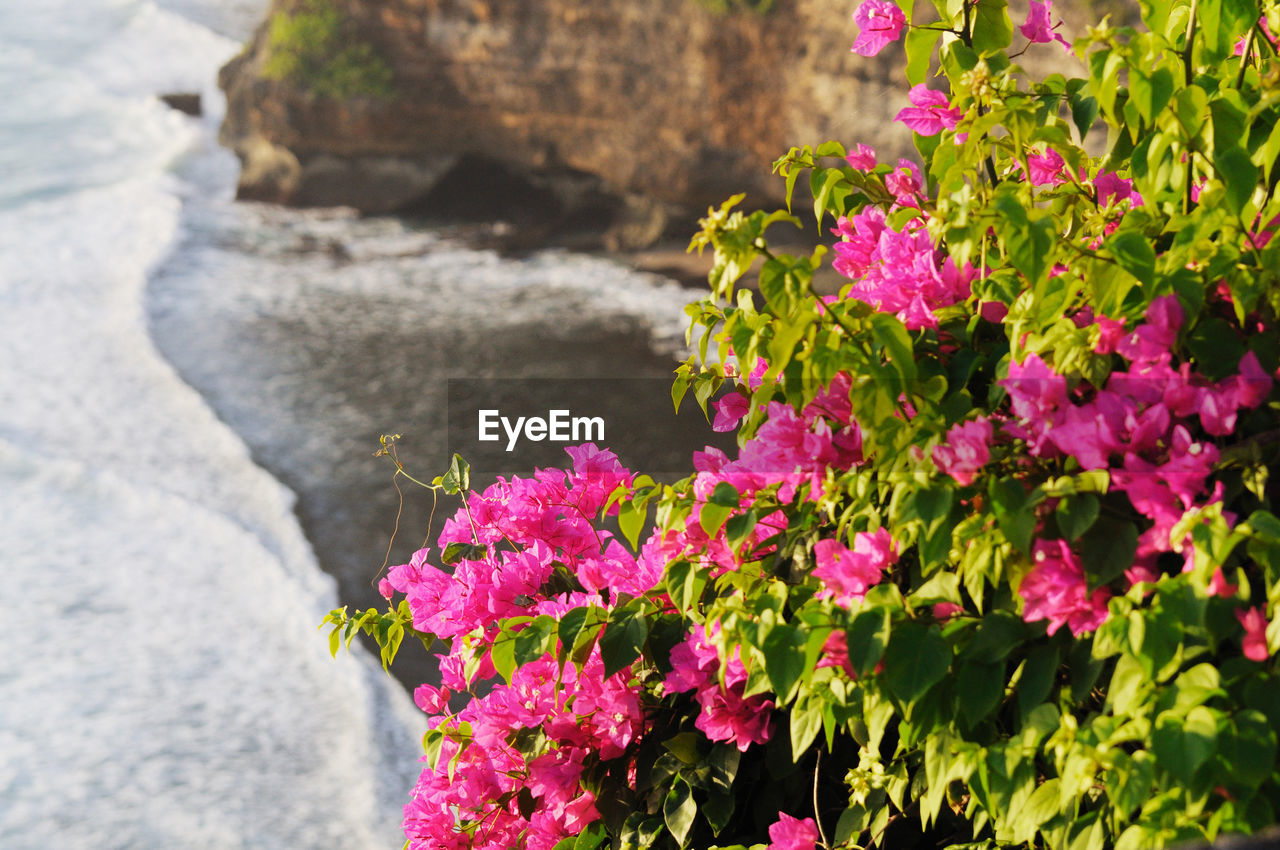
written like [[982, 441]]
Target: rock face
[[606, 113]]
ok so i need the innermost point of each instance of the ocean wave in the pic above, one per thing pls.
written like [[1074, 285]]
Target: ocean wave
[[164, 681]]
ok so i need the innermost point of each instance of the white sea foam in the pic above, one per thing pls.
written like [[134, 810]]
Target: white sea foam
[[162, 683]]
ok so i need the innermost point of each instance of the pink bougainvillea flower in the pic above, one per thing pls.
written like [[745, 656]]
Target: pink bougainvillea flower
[[847, 574], [1047, 168], [431, 700], [729, 411], [930, 112], [943, 611], [835, 653], [1255, 633], [965, 452], [1035, 394], [898, 271], [993, 311], [1056, 590], [1219, 586], [1111, 186], [862, 158], [1039, 28], [793, 833], [879, 23], [905, 183]]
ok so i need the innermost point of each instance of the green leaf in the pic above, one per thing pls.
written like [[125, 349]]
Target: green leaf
[[805, 726], [685, 583], [1084, 111], [916, 659], [1014, 512], [992, 28], [679, 810], [1191, 107], [980, 687], [867, 637], [570, 625], [943, 587], [1107, 549], [1150, 92], [531, 642], [684, 746], [1249, 748], [1076, 514], [458, 551], [725, 495], [999, 633], [458, 478], [1181, 746], [591, 838], [503, 655], [1038, 674], [1216, 346], [822, 191], [783, 650], [1029, 243], [1128, 685], [1134, 254], [1129, 784], [622, 640], [1038, 810], [631, 521], [712, 516], [1238, 173], [680, 385], [739, 527], [919, 45], [890, 333]]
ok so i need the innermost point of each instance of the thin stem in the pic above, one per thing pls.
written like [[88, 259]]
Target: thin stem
[[1189, 47], [1244, 56], [431, 518], [1188, 74], [817, 816], [386, 559], [475, 535]]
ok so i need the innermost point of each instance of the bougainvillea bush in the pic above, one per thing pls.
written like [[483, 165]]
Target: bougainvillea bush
[[995, 564]]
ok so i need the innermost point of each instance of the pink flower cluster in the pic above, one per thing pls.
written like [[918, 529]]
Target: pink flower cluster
[[793, 833], [847, 574], [790, 451], [898, 271], [880, 23], [1139, 427], [529, 529], [725, 715], [1039, 27], [965, 451], [930, 111], [1056, 590], [469, 799]]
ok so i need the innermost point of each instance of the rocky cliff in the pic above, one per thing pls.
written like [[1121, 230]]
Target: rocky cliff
[[605, 113]]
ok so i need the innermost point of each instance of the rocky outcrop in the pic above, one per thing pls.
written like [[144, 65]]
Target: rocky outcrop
[[585, 112]]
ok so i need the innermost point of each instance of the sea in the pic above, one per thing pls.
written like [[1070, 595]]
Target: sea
[[191, 395]]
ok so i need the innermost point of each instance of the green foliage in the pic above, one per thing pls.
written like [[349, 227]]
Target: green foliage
[[313, 47], [980, 727], [956, 722]]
